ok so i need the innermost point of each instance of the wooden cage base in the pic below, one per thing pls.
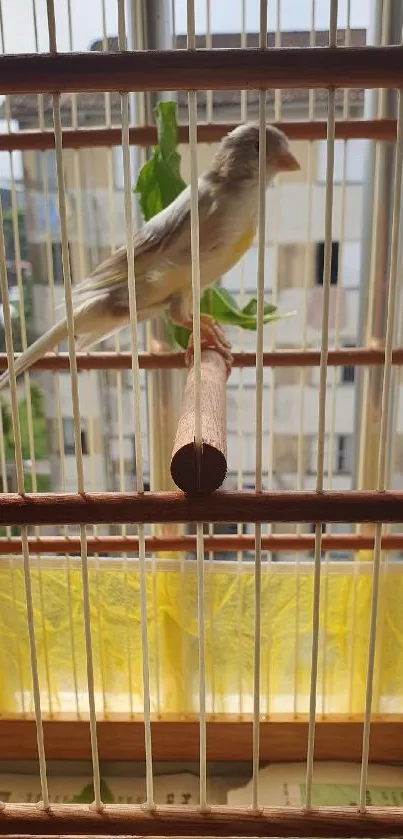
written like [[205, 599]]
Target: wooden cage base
[[74, 820], [282, 738]]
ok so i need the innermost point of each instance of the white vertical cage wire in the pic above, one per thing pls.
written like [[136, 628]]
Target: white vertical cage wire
[[240, 408], [56, 380], [383, 439], [303, 370], [336, 373], [275, 210], [89, 376], [27, 382], [137, 417], [141, 112], [372, 290], [19, 456], [119, 375], [209, 120], [5, 487], [76, 410], [173, 23], [390, 460], [392, 435], [195, 255], [209, 44], [24, 530], [259, 414], [322, 408], [381, 112], [184, 644], [12, 569]]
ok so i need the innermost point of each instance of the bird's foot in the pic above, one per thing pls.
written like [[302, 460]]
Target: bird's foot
[[212, 338]]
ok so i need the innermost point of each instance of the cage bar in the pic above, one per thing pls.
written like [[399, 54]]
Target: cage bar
[[146, 135], [215, 69]]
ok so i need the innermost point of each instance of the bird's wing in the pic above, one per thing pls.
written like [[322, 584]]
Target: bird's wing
[[163, 243], [171, 231], [161, 248]]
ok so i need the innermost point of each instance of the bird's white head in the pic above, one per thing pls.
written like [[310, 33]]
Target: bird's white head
[[238, 154]]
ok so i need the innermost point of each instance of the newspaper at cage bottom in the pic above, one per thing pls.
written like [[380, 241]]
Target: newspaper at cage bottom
[[281, 785], [176, 789], [334, 784]]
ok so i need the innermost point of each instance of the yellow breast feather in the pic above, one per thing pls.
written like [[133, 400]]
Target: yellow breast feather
[[237, 249]]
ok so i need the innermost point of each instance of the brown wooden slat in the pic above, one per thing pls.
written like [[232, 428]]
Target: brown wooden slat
[[113, 820], [146, 135], [282, 738], [130, 544], [120, 508], [213, 69], [355, 357]]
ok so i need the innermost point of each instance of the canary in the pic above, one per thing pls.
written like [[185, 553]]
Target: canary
[[228, 216]]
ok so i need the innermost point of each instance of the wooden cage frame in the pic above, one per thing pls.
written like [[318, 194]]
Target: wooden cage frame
[[336, 738]]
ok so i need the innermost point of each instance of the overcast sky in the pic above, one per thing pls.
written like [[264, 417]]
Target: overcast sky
[[226, 16]]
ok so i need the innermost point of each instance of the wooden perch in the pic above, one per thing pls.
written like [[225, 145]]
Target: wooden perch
[[208, 474]]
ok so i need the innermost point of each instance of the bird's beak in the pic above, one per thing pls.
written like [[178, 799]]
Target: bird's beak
[[286, 162]]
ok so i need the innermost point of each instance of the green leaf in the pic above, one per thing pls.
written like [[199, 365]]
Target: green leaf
[[223, 307], [178, 334], [221, 304], [167, 130], [251, 308], [38, 422], [159, 181], [87, 794]]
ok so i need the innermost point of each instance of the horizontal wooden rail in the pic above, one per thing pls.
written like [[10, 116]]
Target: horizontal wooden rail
[[132, 508], [282, 738], [120, 820], [355, 357], [146, 135], [223, 544], [212, 69]]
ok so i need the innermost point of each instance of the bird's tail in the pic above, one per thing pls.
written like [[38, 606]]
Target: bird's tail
[[93, 322], [44, 344]]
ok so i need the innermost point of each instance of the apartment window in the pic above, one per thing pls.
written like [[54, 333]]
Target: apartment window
[[348, 375], [355, 151], [312, 527], [348, 371], [68, 436], [320, 263], [57, 263], [342, 455], [84, 438]]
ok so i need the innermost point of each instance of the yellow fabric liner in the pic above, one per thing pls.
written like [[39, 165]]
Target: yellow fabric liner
[[173, 647]]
